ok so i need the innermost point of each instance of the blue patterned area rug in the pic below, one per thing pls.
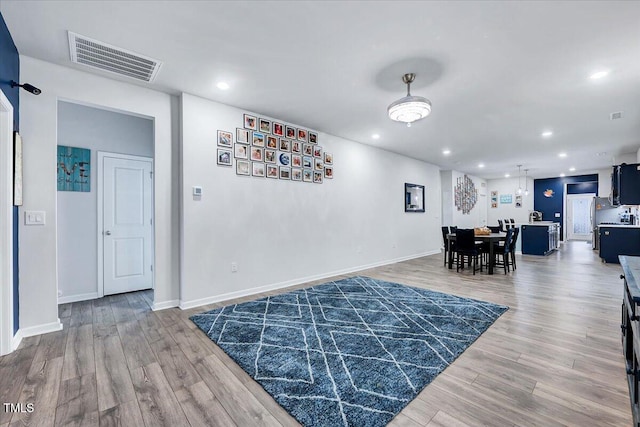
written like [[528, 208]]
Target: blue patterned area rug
[[352, 352]]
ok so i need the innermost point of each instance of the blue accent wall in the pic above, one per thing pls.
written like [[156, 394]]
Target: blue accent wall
[[10, 70], [555, 187]]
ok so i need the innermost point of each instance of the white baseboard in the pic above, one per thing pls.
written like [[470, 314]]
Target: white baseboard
[[39, 329], [16, 340], [164, 305], [77, 297], [185, 305]]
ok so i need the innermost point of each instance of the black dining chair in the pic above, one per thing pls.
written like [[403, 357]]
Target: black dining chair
[[504, 251], [448, 246], [512, 249], [501, 225], [466, 247]]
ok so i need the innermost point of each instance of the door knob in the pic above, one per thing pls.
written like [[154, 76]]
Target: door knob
[[107, 233]]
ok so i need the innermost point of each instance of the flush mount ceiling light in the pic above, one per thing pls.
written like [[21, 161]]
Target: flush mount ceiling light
[[410, 108]]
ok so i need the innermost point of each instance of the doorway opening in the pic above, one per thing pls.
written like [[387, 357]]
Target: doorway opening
[[578, 217], [6, 226]]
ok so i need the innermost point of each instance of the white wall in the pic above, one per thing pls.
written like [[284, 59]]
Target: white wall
[[509, 210], [285, 232], [477, 217], [97, 130], [38, 125]]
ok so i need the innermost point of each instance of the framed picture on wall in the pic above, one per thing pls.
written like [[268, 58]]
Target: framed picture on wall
[[317, 152], [258, 139], [225, 139], [74, 169], [318, 165], [284, 159], [17, 170], [313, 137], [296, 160], [317, 177], [272, 142], [285, 172], [296, 174], [265, 125], [225, 157], [302, 135], [307, 162], [242, 135], [328, 172], [307, 175], [250, 122], [257, 154], [270, 156], [272, 171], [328, 158], [285, 145], [257, 169], [241, 151], [242, 167], [278, 129], [307, 149], [291, 132], [296, 147]]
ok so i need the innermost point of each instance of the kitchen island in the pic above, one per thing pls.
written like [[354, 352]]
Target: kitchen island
[[540, 237]]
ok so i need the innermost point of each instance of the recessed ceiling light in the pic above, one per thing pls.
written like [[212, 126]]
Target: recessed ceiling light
[[375, 136], [599, 74], [562, 175], [446, 152], [506, 175], [222, 85], [562, 155], [480, 165], [571, 169], [547, 134]]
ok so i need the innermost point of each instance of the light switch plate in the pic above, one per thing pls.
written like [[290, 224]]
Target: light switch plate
[[197, 191], [35, 217]]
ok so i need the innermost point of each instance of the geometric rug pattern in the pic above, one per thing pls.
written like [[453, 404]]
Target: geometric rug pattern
[[353, 352]]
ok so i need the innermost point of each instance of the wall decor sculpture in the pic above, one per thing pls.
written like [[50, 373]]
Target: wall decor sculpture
[[465, 194], [74, 167]]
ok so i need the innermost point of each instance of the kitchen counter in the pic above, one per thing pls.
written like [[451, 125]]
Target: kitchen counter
[[619, 225], [542, 223], [618, 239]]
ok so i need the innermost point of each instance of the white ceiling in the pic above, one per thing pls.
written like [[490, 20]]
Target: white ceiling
[[497, 73]]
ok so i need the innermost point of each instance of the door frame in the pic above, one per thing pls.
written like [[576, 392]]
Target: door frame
[[565, 209], [100, 194], [6, 226]]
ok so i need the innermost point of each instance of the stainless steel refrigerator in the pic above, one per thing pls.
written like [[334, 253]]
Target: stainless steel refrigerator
[[602, 212]]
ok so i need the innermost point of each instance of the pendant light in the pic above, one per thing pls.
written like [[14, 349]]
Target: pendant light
[[519, 191], [526, 184], [410, 108]]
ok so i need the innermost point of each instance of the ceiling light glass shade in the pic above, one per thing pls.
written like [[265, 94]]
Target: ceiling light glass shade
[[409, 109]]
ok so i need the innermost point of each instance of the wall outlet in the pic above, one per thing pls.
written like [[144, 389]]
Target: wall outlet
[[234, 267], [557, 214]]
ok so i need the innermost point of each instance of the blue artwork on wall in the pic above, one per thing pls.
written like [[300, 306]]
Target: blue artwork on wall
[[74, 167]]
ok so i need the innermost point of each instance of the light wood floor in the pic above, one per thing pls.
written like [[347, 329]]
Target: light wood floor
[[553, 359]]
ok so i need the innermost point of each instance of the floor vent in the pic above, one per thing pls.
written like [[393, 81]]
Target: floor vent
[[103, 56]]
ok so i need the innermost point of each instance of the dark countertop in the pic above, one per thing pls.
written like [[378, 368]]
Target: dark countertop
[[631, 268]]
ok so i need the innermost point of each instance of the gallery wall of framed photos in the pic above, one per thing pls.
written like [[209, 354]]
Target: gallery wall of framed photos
[[265, 148]]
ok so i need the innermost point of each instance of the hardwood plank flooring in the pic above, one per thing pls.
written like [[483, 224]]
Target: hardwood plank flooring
[[553, 359]]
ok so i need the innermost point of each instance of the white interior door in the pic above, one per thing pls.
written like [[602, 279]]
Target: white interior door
[[579, 216], [127, 223]]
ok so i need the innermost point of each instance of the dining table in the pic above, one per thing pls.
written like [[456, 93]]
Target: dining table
[[492, 239]]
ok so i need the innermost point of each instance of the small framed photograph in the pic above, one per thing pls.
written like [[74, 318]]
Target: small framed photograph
[[265, 126], [250, 122], [258, 139], [242, 167], [241, 151], [291, 132], [313, 137], [307, 162], [278, 129], [257, 169], [285, 145], [272, 142], [317, 151], [307, 149], [225, 139], [317, 177], [225, 157], [328, 172], [272, 171], [302, 135], [296, 147], [296, 160], [307, 175], [284, 159], [270, 156], [285, 172], [257, 154], [242, 135], [318, 165], [328, 158], [296, 174]]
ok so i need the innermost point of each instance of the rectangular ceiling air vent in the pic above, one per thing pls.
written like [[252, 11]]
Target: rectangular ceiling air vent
[[103, 56], [615, 116]]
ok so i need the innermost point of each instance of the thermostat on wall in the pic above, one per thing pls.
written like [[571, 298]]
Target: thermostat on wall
[[197, 191]]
